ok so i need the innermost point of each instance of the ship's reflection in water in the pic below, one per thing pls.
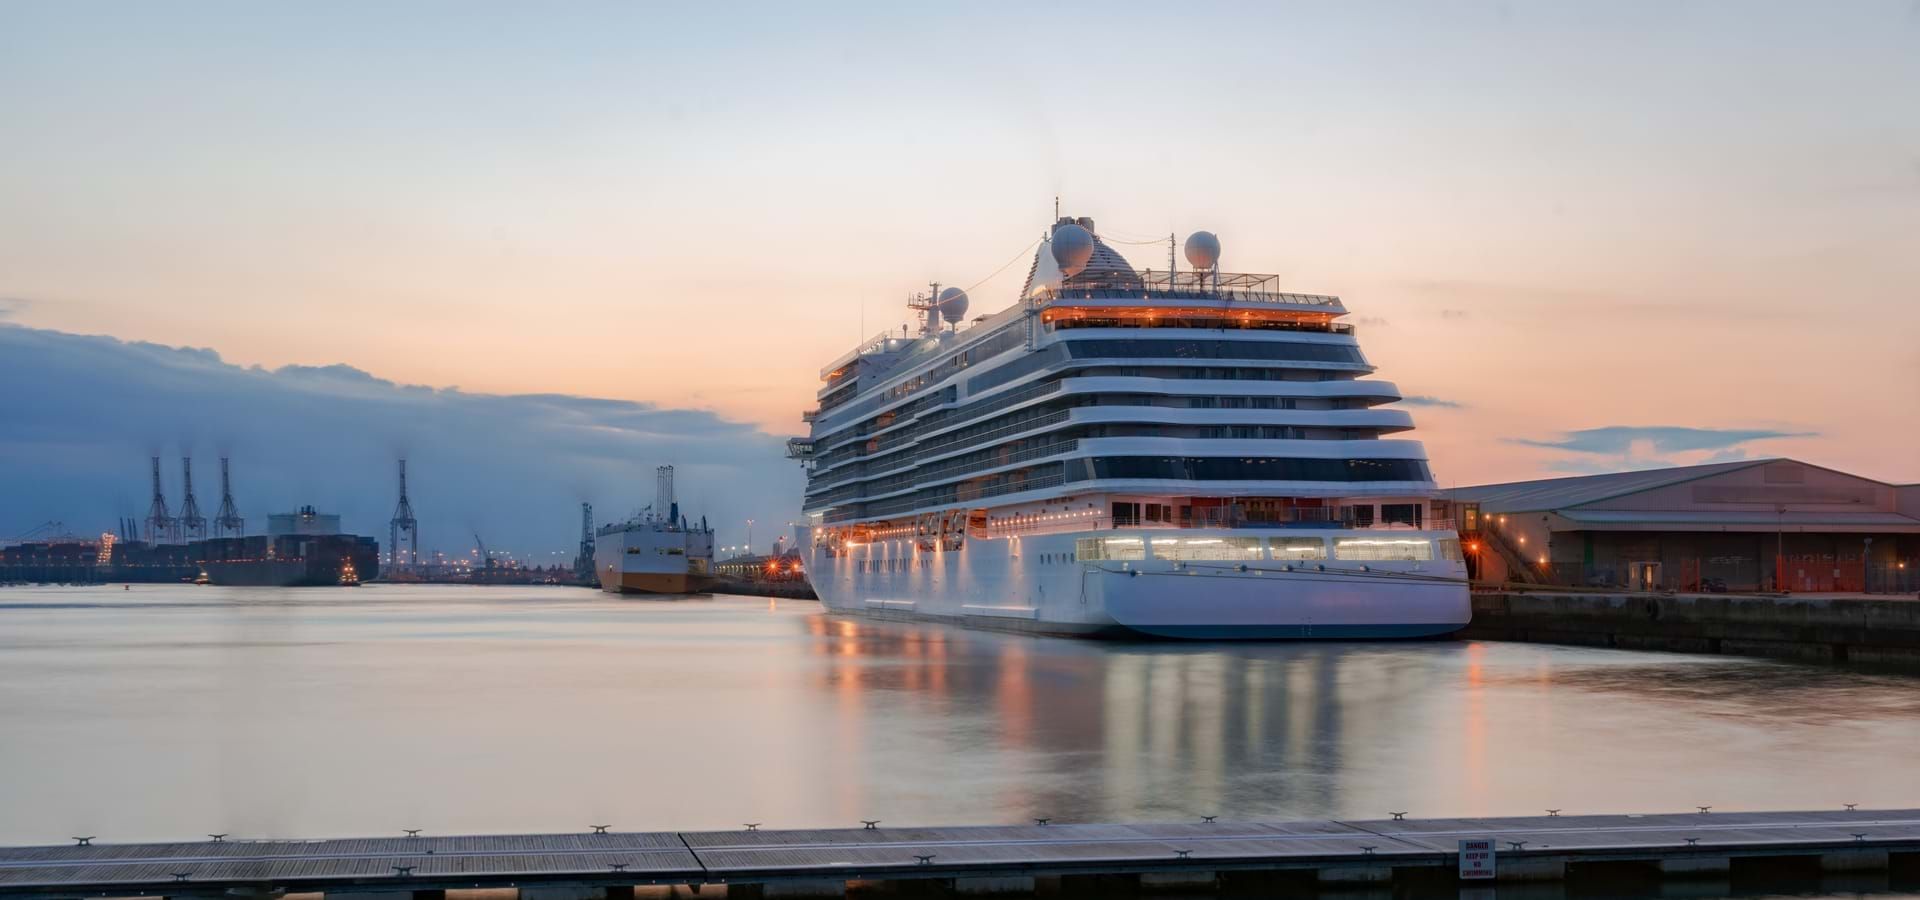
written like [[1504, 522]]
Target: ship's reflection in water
[[170, 711], [1010, 726]]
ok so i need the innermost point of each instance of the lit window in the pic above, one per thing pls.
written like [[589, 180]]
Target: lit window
[[1299, 548], [1206, 548], [1388, 549], [1111, 548]]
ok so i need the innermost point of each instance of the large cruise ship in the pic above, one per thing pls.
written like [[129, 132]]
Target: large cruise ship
[[1181, 453]]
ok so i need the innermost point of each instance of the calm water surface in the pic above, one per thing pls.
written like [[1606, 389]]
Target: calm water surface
[[171, 711]]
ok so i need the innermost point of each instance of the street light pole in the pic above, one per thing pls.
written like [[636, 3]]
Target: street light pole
[[1779, 547]]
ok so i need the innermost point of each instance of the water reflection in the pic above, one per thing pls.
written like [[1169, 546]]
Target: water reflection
[[184, 711], [1102, 731]]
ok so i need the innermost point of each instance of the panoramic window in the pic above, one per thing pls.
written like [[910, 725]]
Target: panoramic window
[[1387, 549], [1111, 548], [1207, 548], [1299, 548], [1400, 514]]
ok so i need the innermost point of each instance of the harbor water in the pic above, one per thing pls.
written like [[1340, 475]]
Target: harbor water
[[170, 711]]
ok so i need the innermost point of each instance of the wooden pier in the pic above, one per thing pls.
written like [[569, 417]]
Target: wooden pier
[[1043, 857]]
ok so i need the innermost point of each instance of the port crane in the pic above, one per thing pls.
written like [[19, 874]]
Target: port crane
[[485, 557]]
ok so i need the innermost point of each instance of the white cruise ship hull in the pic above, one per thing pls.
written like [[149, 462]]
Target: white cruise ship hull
[[1037, 584]]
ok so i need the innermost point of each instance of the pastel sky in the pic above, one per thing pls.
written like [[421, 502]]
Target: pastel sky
[[1589, 235]]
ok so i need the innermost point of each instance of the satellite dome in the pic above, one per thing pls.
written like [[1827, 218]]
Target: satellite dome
[[952, 305], [1072, 249], [1203, 250]]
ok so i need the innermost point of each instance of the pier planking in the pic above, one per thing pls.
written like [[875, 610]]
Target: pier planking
[[772, 856]]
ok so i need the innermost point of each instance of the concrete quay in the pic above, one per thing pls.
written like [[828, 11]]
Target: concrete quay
[[1873, 630], [1044, 858]]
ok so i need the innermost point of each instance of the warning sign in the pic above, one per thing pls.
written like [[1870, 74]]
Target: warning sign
[[1476, 860]]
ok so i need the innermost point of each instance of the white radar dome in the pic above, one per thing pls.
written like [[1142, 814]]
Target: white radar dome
[[953, 305], [1072, 249], [1203, 250]]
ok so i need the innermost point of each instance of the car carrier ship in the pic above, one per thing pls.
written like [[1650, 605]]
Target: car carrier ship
[[1185, 454], [657, 551]]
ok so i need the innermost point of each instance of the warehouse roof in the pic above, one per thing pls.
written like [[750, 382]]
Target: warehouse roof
[[1559, 493], [1717, 517]]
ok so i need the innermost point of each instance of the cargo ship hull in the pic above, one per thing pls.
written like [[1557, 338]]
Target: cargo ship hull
[[288, 560], [653, 558], [650, 583]]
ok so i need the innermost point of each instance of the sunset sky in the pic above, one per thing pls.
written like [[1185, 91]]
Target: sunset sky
[[1593, 235]]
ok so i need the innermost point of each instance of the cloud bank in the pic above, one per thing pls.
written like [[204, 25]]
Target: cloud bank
[[82, 414], [1616, 448], [1662, 438]]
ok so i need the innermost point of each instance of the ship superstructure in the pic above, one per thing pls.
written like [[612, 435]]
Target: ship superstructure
[[657, 551], [1176, 453]]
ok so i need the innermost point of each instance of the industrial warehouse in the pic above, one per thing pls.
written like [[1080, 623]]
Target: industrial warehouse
[[1751, 525]]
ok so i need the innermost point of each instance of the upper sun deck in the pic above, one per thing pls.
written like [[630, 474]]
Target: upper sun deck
[[1192, 289]]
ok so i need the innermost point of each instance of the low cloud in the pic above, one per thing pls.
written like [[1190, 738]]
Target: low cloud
[[1435, 402], [12, 307], [1614, 439], [83, 413], [1625, 448], [1453, 314]]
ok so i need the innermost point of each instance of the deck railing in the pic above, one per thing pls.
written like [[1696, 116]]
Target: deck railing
[[1235, 286]]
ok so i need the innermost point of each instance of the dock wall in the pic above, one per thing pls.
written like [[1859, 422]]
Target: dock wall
[[790, 590], [1409, 857], [1874, 631]]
